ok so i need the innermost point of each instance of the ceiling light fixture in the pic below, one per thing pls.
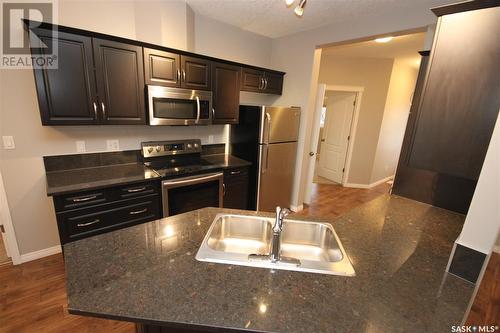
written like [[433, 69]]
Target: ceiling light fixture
[[299, 10], [384, 39], [288, 3]]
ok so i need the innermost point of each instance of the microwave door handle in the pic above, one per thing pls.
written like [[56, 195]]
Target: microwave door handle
[[198, 110]]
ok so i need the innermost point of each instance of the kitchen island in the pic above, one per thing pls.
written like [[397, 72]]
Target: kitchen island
[[399, 248]]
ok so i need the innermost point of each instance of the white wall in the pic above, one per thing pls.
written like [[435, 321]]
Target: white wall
[[22, 169], [295, 55], [396, 111], [374, 76], [482, 223]]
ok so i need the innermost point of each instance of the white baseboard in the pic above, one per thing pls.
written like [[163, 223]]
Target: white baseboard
[[297, 208], [366, 186], [40, 254], [496, 249]]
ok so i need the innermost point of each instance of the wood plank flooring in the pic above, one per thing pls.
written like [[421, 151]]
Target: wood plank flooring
[[486, 307]]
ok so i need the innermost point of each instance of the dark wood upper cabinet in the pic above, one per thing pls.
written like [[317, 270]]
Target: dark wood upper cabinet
[[261, 81], [226, 93], [273, 83], [162, 68], [67, 95], [195, 73], [120, 82], [251, 80]]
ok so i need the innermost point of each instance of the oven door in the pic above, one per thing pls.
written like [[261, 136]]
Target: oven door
[[182, 195], [175, 106]]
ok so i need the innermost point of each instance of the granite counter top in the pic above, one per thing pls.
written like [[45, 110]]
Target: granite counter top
[[399, 248], [87, 178], [66, 181]]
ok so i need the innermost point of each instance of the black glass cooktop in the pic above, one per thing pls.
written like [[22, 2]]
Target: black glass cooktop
[[179, 165]]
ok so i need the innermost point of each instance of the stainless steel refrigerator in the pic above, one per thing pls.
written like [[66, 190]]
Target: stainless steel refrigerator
[[267, 137]]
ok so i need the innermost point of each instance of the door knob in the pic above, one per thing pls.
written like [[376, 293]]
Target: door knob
[[311, 153]]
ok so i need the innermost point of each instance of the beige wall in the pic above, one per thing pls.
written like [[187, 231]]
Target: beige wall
[[297, 56], [396, 111], [22, 169], [374, 76]]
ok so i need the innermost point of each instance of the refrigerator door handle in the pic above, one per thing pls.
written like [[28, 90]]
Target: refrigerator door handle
[[265, 153], [268, 121]]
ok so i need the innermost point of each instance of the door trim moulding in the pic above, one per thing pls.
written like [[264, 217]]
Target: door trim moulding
[[11, 246]]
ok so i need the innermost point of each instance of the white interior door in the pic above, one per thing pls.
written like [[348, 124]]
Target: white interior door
[[339, 113]]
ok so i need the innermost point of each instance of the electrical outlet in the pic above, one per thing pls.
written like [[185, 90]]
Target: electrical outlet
[[210, 139], [113, 144], [8, 142], [80, 146]]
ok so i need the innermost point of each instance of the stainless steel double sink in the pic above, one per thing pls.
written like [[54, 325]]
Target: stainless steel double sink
[[235, 239]]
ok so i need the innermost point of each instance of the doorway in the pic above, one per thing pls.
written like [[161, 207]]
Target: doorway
[[337, 114]]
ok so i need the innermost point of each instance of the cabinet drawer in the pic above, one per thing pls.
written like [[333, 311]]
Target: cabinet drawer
[[79, 200], [86, 222], [133, 190]]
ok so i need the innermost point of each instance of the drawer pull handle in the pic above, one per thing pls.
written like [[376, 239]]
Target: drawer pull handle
[[138, 211], [88, 223], [85, 198], [235, 172], [132, 190]]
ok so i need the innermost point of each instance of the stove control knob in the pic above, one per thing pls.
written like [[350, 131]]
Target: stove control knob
[[150, 150], [189, 146], [196, 145], [158, 148]]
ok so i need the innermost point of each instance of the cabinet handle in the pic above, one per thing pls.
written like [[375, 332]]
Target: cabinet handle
[[88, 223], [133, 190], [103, 108], [183, 75], [265, 84], [138, 211], [261, 83], [213, 113], [95, 108], [235, 172], [223, 189], [178, 75], [85, 198]]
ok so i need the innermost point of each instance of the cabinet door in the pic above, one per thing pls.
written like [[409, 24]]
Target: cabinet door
[[236, 188], [162, 68], [251, 80], [195, 73], [273, 83], [66, 95], [120, 82], [226, 93]]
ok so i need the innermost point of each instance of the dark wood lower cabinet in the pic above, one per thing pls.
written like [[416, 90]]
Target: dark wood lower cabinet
[[88, 213], [236, 188]]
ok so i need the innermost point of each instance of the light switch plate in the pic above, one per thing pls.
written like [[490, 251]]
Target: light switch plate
[[113, 145], [80, 146], [8, 142]]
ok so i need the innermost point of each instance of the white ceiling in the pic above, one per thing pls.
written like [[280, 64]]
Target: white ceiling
[[272, 18]]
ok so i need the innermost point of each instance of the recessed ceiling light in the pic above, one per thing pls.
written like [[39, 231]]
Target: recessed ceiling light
[[288, 3], [384, 39], [299, 10]]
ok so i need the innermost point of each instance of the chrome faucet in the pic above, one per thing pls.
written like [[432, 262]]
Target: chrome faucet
[[281, 213]]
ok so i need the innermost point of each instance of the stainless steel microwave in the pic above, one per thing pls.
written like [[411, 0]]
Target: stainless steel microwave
[[176, 106]]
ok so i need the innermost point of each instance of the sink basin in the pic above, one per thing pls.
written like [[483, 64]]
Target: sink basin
[[235, 239]]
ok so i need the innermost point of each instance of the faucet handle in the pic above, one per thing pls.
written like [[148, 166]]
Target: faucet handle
[[284, 212]]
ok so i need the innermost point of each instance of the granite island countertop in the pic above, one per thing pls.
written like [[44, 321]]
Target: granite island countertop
[[399, 249]]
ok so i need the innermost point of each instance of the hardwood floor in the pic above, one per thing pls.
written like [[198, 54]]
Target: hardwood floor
[[486, 307], [33, 299], [33, 295], [333, 200]]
